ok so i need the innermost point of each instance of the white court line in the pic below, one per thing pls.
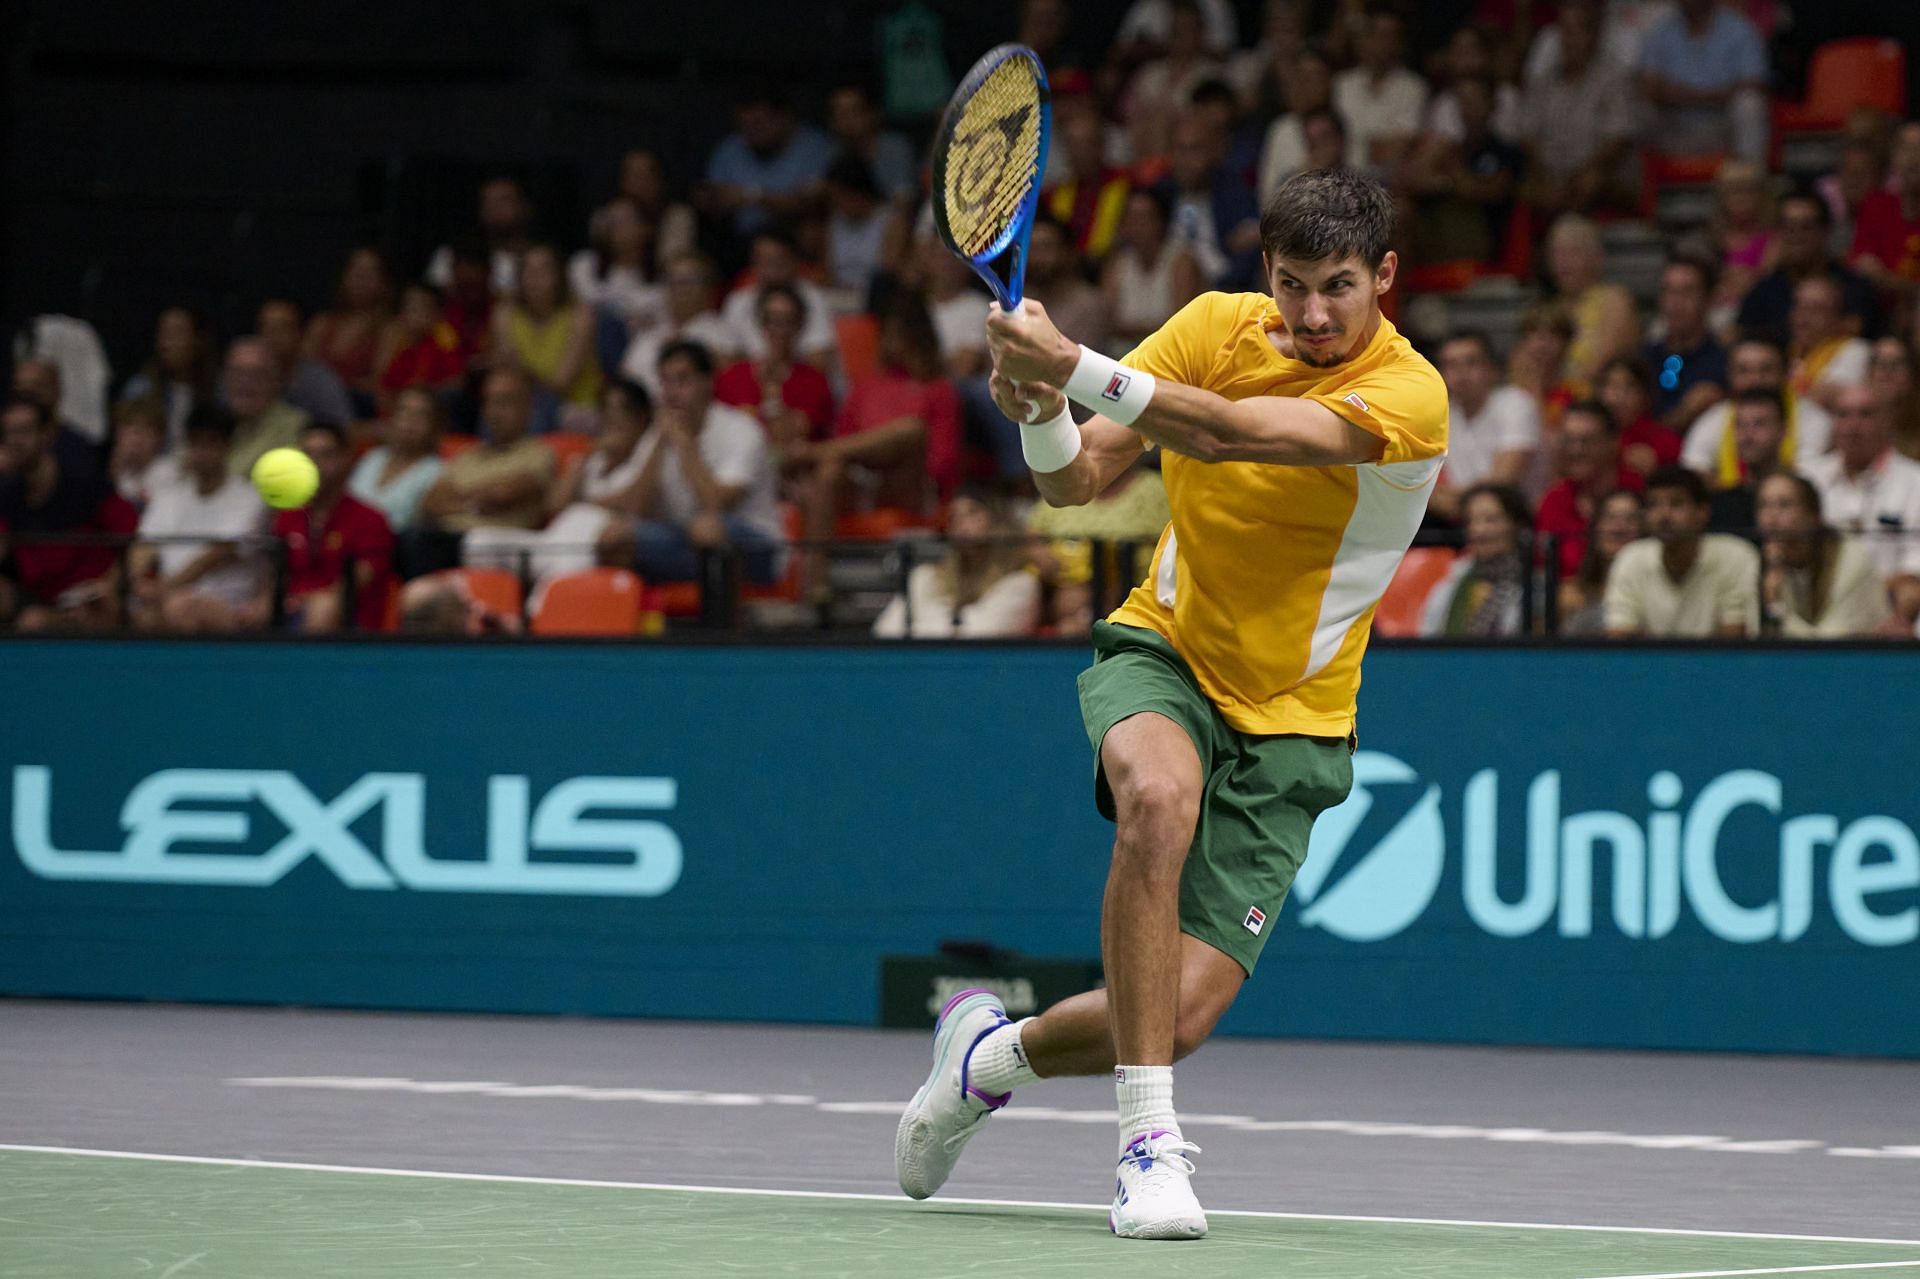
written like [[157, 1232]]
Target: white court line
[[1774, 1270], [901, 1201]]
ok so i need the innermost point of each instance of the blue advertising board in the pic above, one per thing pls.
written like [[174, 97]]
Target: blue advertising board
[[1673, 848]]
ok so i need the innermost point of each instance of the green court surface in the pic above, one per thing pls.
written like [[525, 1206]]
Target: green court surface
[[67, 1215]]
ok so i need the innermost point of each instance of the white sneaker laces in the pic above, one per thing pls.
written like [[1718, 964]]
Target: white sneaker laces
[[1172, 1153]]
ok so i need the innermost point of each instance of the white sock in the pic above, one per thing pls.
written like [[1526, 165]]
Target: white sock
[[999, 1062], [1146, 1101]]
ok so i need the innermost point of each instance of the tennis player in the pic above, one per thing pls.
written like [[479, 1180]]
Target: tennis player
[[1302, 436]]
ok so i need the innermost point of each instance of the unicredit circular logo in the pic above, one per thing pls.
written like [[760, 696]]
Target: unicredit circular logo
[[1374, 863]]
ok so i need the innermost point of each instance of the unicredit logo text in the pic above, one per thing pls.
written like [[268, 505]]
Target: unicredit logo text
[[1374, 868]]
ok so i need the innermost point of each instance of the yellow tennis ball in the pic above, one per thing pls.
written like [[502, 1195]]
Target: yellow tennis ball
[[286, 478]]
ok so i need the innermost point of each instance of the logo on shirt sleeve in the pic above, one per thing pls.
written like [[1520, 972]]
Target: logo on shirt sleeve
[[1353, 398], [1116, 387]]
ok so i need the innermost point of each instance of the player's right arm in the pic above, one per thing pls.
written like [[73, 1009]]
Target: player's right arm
[[1106, 447]]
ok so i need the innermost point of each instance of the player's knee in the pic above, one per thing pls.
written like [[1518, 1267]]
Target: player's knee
[[1152, 803]]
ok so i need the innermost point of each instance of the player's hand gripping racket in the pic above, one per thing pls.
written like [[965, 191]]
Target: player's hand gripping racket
[[988, 158]]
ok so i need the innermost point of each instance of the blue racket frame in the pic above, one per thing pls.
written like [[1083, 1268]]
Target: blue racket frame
[[1019, 232]]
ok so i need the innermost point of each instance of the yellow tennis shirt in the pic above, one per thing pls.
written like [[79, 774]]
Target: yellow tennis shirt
[[1267, 578]]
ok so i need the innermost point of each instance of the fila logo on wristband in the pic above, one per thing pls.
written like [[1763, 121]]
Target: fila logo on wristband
[[1116, 387], [1256, 920]]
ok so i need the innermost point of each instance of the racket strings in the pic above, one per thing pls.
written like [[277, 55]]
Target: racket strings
[[994, 159]]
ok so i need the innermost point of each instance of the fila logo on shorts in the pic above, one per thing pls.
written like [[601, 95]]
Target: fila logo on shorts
[[1116, 387], [1256, 920], [1353, 398]]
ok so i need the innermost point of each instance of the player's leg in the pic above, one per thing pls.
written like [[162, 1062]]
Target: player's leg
[[1074, 1037]]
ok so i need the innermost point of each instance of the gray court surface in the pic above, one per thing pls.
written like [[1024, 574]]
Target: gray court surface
[[1770, 1144]]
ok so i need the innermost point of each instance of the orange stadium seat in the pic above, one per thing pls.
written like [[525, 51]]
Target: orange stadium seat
[[1842, 76], [497, 588], [594, 601], [567, 447], [1398, 613]]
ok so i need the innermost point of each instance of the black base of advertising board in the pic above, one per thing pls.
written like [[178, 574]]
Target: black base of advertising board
[[914, 988]]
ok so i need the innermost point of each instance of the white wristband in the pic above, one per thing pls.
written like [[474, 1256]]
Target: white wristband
[[1109, 387], [1050, 446]]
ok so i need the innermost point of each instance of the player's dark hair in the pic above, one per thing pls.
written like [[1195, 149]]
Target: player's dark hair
[[694, 353], [332, 430], [1478, 337], [210, 419], [1685, 478], [1327, 215], [1760, 395]]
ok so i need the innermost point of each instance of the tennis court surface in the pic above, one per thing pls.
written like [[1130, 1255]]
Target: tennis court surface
[[176, 1142]]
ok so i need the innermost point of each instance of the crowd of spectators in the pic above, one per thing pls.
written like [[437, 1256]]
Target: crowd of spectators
[[768, 351]]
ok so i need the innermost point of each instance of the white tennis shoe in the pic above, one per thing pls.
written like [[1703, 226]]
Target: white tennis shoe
[[947, 1111], [1152, 1195]]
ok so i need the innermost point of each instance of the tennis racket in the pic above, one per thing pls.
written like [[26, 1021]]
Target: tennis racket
[[988, 158]]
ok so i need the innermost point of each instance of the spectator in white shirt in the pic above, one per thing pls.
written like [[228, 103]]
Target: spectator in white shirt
[[201, 586], [958, 309], [776, 260], [1148, 27], [615, 275], [1308, 87], [506, 219], [1492, 429], [1683, 582], [1817, 584], [689, 317], [1380, 101], [1828, 353], [1869, 489], [981, 588]]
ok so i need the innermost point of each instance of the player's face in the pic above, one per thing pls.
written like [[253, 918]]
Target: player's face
[[1329, 307]]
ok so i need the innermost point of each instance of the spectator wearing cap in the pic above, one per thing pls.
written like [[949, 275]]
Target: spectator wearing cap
[[1055, 281], [504, 222], [1689, 365], [206, 586], [776, 260], [1588, 469], [1161, 88], [1703, 73], [1827, 354], [1886, 241], [1380, 101], [768, 169], [1619, 521], [1816, 583], [1093, 196], [1759, 431], [1682, 582], [790, 397], [865, 235], [1801, 252], [1754, 364], [312, 385], [397, 474], [180, 372], [1868, 489], [39, 380], [690, 317], [1605, 324], [707, 479], [1147, 276], [49, 585], [1626, 388], [503, 480], [853, 118], [347, 338], [1492, 429], [1308, 87], [1577, 122], [1483, 594], [332, 537], [252, 385]]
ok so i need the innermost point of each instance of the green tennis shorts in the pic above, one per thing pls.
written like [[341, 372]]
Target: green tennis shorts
[[1262, 793]]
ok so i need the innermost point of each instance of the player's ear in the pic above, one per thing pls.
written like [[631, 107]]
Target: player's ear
[[1389, 268]]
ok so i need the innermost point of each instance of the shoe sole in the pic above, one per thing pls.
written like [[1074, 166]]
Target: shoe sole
[[1169, 1230], [943, 1045]]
